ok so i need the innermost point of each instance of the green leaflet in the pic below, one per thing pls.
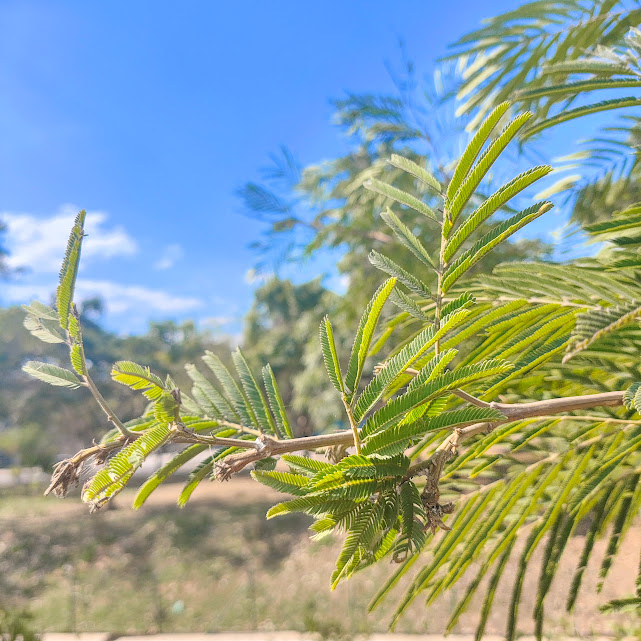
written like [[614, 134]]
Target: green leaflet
[[485, 162], [434, 367], [231, 390], [207, 396], [571, 114], [570, 89], [491, 592], [396, 439], [490, 240], [407, 238], [629, 218], [52, 374], [491, 205], [77, 359], [364, 335], [110, 480], [465, 300], [412, 168], [203, 469], [412, 518], [486, 318], [632, 397], [357, 466], [164, 473], [42, 328], [475, 546], [194, 479], [407, 304], [359, 540], [330, 357], [315, 504], [596, 324], [69, 270], [404, 359], [584, 66], [282, 481], [400, 196], [138, 377], [41, 311], [473, 149], [544, 523], [283, 427], [618, 529], [258, 407], [410, 281], [392, 582], [462, 523], [304, 464], [398, 407]]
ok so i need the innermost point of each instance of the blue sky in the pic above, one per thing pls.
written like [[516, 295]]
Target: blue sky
[[149, 115]]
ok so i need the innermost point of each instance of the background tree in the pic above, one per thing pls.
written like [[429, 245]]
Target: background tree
[[35, 427], [279, 329]]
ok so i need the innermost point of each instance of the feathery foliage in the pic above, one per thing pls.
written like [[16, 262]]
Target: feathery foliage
[[444, 457]]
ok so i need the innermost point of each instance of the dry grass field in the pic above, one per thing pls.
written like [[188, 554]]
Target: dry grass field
[[219, 565]]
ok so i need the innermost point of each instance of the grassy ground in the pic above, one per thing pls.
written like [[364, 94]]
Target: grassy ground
[[218, 565]]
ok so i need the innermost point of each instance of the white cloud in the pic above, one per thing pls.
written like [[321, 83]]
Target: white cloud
[[255, 277], [123, 298], [173, 253], [557, 233], [39, 243], [119, 299], [216, 322]]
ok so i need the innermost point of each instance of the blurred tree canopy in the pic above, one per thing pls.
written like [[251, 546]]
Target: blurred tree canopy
[[35, 427]]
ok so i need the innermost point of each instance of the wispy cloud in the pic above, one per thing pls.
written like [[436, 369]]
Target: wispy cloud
[[118, 298], [255, 277], [122, 298], [556, 234], [172, 254], [38, 243]]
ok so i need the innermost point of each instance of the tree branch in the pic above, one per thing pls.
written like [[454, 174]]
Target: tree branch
[[67, 472], [512, 411]]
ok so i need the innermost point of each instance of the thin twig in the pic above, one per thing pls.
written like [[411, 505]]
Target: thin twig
[[111, 416], [353, 425], [470, 399]]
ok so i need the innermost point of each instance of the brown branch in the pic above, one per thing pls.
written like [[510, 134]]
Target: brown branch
[[234, 463], [67, 472], [111, 416], [472, 400], [512, 411]]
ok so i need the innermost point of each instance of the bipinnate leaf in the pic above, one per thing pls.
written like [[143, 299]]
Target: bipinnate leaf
[[363, 339], [330, 356], [52, 374], [69, 270], [138, 377]]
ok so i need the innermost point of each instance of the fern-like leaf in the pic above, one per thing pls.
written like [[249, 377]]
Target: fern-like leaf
[[52, 374], [330, 356], [69, 270], [400, 196], [138, 377], [364, 335]]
